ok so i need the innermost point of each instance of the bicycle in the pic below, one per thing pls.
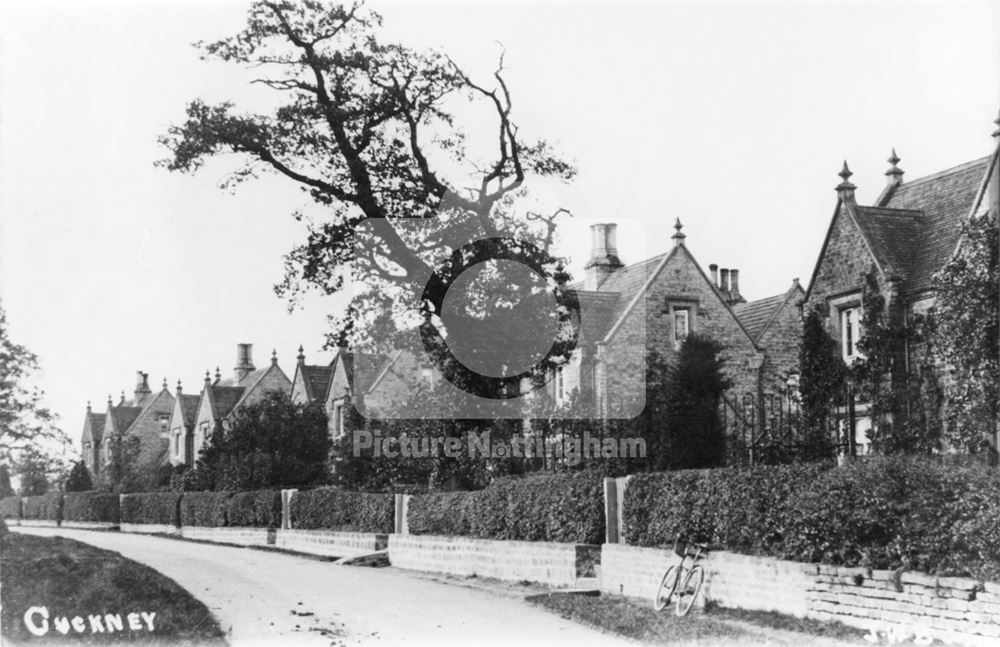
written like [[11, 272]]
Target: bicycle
[[683, 579]]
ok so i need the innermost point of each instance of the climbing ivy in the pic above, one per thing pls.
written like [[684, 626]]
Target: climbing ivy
[[821, 385]]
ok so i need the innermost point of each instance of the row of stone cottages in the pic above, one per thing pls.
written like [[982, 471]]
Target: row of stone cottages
[[904, 238]]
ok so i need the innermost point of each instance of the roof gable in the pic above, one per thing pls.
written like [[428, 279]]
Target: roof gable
[[93, 427], [758, 316]]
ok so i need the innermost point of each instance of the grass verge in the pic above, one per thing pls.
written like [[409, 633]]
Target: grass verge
[[71, 579], [639, 621]]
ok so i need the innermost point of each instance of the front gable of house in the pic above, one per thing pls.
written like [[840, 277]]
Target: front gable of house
[[273, 380], [844, 260]]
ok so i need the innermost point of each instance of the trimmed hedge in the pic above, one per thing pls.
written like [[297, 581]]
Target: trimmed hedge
[[335, 509], [565, 507], [879, 512], [741, 510], [10, 507], [258, 508], [204, 509], [44, 506], [151, 507], [91, 506]]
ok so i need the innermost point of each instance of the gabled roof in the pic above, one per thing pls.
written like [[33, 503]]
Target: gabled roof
[[123, 417], [362, 369], [189, 409], [757, 316], [94, 423], [253, 379], [222, 399], [317, 380]]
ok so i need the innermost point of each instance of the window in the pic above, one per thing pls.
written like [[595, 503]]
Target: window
[[427, 376], [681, 327], [850, 333], [338, 420], [560, 385], [177, 442], [164, 422]]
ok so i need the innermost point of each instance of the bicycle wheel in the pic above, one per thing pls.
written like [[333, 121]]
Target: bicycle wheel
[[689, 590], [667, 587]]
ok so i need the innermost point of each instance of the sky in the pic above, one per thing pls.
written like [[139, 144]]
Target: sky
[[733, 116]]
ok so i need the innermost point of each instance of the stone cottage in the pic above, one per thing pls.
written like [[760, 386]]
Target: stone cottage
[[898, 243]]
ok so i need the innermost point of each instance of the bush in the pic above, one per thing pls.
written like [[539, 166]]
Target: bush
[[741, 510], [204, 509], [91, 506], [546, 507], [259, 508], [334, 509], [10, 507], [43, 506], [151, 507]]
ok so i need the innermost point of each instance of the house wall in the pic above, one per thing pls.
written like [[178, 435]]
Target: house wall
[[177, 425], [274, 380], [782, 342], [200, 433], [152, 438], [299, 393], [842, 266]]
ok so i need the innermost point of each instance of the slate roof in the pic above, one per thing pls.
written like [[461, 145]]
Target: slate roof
[[317, 380], [755, 315], [96, 422], [916, 225], [123, 417], [224, 398], [189, 409]]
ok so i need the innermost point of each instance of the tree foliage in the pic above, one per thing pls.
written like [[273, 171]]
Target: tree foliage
[[695, 437], [821, 385], [24, 420], [79, 478], [37, 471], [370, 129], [967, 333], [271, 443]]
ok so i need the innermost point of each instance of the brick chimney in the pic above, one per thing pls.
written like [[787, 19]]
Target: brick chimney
[[142, 390], [603, 256], [244, 362], [724, 283], [713, 269]]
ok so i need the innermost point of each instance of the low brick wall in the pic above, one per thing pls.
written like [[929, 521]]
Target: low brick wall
[[330, 543], [39, 523], [950, 609], [90, 525], [549, 563], [151, 528], [239, 536]]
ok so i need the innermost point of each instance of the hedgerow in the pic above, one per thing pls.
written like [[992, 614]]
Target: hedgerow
[[546, 507], [151, 507], [43, 506], [91, 506], [260, 508], [204, 509], [335, 509], [10, 507]]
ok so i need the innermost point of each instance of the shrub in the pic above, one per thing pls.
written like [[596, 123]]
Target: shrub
[[151, 507], [260, 508], [742, 510], [43, 506], [334, 509], [565, 507], [10, 507], [91, 506], [204, 509]]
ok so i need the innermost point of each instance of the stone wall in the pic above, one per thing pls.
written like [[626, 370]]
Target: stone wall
[[90, 525], [151, 528], [950, 609], [238, 536], [555, 564], [330, 543]]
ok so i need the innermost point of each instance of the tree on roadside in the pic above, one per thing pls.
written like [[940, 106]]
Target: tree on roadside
[[79, 478], [695, 436], [37, 471], [271, 443], [24, 421], [6, 489], [370, 130], [823, 375]]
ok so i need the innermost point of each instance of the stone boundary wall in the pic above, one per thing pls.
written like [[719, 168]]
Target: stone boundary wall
[[330, 543], [151, 528], [555, 564], [90, 525], [238, 535], [950, 609], [39, 523]]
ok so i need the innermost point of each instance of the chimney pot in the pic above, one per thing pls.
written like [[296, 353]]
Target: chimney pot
[[244, 361], [724, 281], [734, 290], [714, 271]]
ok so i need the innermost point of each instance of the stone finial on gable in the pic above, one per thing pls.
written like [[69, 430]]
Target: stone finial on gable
[[679, 235], [88, 406], [218, 375], [274, 357], [208, 377], [846, 188], [179, 390], [110, 401], [894, 175], [301, 357]]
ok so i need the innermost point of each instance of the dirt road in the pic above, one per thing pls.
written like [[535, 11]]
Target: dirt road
[[268, 598]]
